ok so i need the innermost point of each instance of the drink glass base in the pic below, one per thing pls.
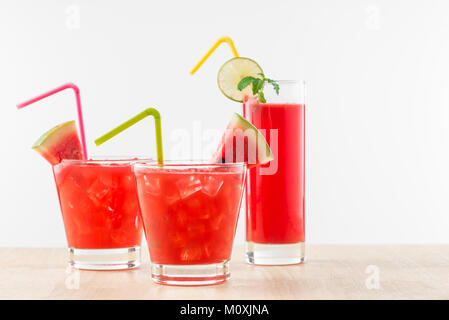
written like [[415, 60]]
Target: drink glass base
[[275, 254], [190, 275], [104, 259]]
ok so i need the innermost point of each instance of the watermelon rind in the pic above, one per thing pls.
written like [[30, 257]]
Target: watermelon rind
[[43, 139]]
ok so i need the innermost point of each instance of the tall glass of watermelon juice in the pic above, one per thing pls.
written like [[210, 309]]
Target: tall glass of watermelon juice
[[275, 191], [101, 213], [190, 212]]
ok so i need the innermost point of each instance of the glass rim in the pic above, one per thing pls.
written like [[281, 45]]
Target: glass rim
[[186, 164], [291, 81], [106, 160]]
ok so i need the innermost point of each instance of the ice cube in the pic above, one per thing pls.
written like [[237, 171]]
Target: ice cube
[[211, 185], [191, 253], [101, 192], [188, 186], [72, 180], [128, 181], [198, 206], [97, 191], [172, 196], [152, 185]]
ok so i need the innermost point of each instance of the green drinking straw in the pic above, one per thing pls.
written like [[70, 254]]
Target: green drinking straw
[[145, 113]]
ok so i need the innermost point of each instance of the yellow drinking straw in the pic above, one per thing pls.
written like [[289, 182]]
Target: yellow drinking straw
[[125, 125], [211, 50]]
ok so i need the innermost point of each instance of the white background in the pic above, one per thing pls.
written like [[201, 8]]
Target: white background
[[377, 117]]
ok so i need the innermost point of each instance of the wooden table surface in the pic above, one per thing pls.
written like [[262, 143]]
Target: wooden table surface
[[331, 272]]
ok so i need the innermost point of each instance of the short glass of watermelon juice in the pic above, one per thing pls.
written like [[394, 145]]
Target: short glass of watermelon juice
[[190, 211], [101, 213]]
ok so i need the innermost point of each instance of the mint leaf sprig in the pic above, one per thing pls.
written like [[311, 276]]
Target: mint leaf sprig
[[257, 85]]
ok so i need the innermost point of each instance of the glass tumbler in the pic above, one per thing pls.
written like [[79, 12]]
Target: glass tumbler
[[275, 191], [190, 211], [101, 213]]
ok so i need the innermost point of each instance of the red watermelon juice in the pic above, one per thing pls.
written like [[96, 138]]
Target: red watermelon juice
[[190, 212], [101, 212]]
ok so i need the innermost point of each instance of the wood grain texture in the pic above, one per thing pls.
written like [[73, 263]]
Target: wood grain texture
[[331, 272]]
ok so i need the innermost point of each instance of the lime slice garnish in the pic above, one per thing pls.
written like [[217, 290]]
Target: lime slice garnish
[[232, 72]]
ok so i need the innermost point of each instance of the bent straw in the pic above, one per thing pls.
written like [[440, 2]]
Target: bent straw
[[145, 113], [211, 50], [78, 106]]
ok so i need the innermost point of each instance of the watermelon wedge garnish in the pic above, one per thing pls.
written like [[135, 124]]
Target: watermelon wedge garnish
[[242, 142], [60, 142]]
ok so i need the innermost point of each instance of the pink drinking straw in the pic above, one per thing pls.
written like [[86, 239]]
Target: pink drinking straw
[[75, 89]]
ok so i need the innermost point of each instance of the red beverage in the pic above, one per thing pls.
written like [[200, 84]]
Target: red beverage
[[99, 204], [275, 191], [190, 214], [276, 202]]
